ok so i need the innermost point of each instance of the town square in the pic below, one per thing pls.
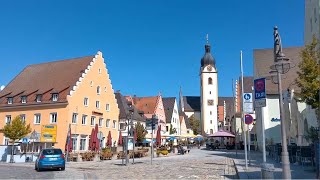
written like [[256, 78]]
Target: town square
[[160, 89]]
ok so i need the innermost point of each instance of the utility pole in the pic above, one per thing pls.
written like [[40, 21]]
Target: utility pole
[[242, 114]]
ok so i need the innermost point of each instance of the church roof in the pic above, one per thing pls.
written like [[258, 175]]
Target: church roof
[[168, 105], [207, 58], [192, 103]]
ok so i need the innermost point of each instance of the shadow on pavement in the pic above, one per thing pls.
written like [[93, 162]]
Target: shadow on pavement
[[297, 171]]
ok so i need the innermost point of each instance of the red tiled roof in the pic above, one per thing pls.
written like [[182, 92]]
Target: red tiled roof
[[46, 78], [146, 104]]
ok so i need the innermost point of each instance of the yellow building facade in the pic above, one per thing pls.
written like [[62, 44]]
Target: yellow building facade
[[76, 91]]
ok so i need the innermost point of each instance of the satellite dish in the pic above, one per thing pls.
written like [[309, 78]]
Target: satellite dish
[[2, 87]]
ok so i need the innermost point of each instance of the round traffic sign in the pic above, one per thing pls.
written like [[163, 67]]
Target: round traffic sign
[[248, 119], [259, 85], [247, 96]]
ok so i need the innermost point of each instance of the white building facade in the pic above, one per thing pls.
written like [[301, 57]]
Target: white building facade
[[172, 115]]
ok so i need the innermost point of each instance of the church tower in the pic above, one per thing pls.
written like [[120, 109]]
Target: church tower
[[209, 93]]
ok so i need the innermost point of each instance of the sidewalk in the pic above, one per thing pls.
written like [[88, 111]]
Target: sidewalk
[[254, 170]]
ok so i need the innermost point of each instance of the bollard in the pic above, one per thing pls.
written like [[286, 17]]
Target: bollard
[[267, 171]]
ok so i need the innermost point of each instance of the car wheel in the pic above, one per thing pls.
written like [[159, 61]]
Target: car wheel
[[63, 168]]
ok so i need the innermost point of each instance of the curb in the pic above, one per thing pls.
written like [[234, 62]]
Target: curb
[[242, 174]]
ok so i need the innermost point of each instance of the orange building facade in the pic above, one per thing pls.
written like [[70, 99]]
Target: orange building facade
[[76, 92]]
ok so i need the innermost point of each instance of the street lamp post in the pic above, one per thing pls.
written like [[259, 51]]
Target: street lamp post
[[154, 119], [129, 126], [281, 66]]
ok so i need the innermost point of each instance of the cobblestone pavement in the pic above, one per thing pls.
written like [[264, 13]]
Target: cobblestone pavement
[[198, 164]]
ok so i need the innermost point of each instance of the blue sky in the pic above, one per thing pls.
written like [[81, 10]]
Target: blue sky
[[149, 46]]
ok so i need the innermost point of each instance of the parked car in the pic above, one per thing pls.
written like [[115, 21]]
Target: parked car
[[50, 159]]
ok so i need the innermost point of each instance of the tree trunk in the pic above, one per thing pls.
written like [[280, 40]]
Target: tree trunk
[[11, 157]]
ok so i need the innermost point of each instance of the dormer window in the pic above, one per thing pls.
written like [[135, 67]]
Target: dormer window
[[55, 97], [10, 100], [23, 99], [39, 97]]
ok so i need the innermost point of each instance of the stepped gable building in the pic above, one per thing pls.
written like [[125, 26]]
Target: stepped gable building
[[151, 105], [53, 95]]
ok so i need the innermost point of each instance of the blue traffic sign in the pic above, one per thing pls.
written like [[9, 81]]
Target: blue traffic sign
[[260, 88], [25, 140], [248, 119], [247, 96]]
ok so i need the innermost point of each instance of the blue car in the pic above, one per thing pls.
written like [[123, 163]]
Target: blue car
[[50, 159]]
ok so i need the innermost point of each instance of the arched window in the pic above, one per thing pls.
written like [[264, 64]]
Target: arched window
[[210, 80]]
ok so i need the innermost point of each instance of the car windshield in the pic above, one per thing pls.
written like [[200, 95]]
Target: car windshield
[[51, 151]]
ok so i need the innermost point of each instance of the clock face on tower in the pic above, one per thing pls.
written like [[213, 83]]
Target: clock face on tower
[[209, 68], [210, 102]]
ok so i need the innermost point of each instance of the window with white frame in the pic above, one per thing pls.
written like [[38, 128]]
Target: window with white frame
[[84, 119], [8, 119], [6, 141], [10, 100], [108, 123], [37, 118], [55, 96], [100, 122], [107, 107], [114, 124], [74, 139], [86, 101], [39, 98], [93, 119], [23, 117], [53, 117], [98, 90], [74, 118], [83, 142], [23, 99], [98, 104]]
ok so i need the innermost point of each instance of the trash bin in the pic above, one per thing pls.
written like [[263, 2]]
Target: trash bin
[[267, 171]]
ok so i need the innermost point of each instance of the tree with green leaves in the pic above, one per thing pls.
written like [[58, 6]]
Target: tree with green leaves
[[309, 77], [172, 130], [15, 130], [141, 132], [195, 124]]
